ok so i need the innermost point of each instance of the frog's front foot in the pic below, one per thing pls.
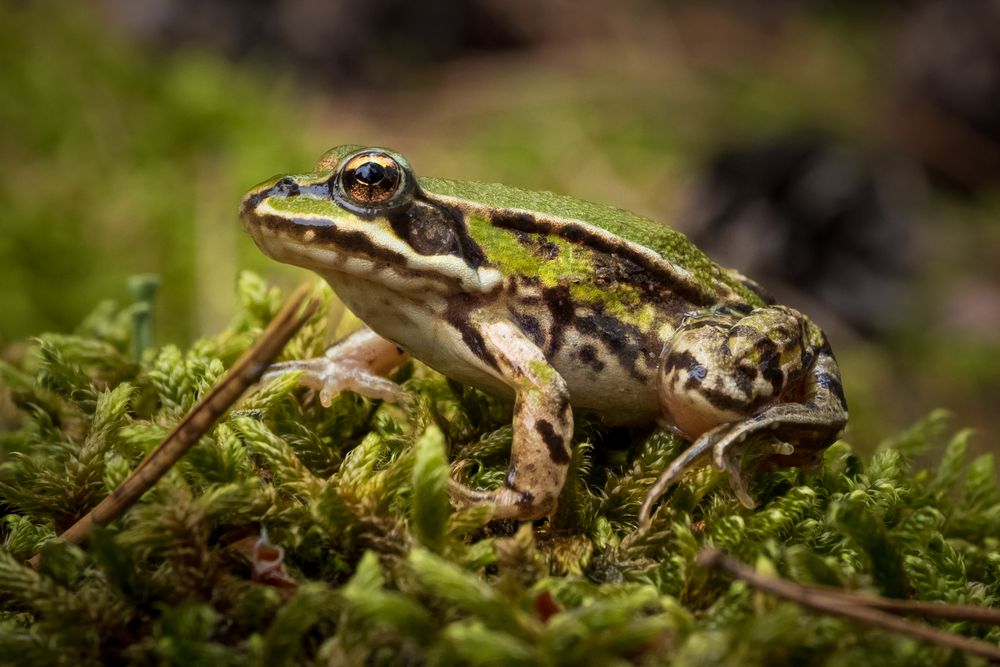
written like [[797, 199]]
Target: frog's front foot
[[354, 364], [507, 502]]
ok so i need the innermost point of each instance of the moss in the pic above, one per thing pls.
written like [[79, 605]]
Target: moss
[[389, 574]]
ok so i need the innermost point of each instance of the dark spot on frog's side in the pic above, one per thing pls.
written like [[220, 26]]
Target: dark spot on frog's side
[[530, 326], [474, 341], [588, 355], [558, 452], [565, 408], [626, 342], [560, 304]]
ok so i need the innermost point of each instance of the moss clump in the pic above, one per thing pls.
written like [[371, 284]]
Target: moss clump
[[389, 574]]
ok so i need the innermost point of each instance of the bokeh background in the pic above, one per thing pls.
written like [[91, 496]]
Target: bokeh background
[[845, 154]]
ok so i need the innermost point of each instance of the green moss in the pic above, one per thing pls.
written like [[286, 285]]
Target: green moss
[[389, 574]]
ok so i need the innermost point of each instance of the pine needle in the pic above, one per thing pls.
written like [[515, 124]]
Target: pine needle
[[244, 373]]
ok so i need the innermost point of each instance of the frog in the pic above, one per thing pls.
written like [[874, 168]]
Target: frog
[[557, 304]]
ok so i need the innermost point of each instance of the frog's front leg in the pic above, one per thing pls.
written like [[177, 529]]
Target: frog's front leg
[[543, 428], [357, 363], [725, 377]]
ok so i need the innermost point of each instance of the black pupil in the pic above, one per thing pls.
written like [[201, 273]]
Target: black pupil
[[370, 173]]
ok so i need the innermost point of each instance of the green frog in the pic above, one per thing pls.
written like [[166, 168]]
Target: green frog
[[557, 303]]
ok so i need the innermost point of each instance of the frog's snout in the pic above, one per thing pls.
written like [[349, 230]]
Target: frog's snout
[[250, 203], [284, 187]]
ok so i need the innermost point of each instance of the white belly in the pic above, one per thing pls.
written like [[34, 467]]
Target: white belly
[[419, 327]]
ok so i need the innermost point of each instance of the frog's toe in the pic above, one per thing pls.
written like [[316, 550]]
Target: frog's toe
[[360, 382], [688, 459], [508, 503], [728, 455], [330, 379], [727, 444], [729, 450]]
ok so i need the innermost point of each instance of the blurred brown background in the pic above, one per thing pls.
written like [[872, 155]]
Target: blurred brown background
[[846, 155]]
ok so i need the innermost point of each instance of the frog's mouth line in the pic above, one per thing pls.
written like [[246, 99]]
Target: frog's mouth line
[[293, 240], [307, 232]]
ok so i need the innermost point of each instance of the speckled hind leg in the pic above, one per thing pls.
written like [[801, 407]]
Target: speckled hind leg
[[543, 429], [775, 368], [358, 363]]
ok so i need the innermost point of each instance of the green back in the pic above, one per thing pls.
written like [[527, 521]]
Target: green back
[[670, 244]]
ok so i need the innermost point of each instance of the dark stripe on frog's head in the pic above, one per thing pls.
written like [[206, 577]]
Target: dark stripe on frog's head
[[432, 227], [297, 218], [428, 226]]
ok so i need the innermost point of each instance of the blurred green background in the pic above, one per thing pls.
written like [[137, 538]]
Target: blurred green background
[[847, 155]]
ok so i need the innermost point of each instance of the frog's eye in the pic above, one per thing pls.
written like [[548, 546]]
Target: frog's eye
[[371, 179]]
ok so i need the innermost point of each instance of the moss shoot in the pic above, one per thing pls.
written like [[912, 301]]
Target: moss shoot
[[387, 573]]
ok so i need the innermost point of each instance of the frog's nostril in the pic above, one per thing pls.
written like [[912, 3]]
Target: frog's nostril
[[287, 186]]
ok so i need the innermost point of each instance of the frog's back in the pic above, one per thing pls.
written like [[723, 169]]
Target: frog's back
[[672, 246]]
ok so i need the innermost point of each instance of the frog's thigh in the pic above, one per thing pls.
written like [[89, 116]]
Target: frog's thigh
[[718, 368], [543, 428], [356, 363], [725, 378]]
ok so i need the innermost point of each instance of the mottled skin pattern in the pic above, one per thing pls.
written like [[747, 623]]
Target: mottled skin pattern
[[554, 301]]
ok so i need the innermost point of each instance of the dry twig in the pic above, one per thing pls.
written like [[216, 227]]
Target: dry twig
[[247, 370], [856, 607]]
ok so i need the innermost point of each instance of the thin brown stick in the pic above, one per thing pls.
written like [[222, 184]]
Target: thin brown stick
[[951, 612], [247, 370], [844, 605]]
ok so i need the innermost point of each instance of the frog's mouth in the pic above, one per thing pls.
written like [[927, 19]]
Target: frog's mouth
[[332, 247], [315, 243]]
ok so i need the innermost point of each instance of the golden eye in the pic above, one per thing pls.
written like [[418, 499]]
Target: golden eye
[[371, 179]]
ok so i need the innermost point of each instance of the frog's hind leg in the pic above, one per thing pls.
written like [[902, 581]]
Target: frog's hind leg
[[729, 378], [357, 363]]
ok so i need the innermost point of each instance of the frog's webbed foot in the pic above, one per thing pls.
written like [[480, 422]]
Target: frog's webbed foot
[[728, 444], [810, 431], [354, 364]]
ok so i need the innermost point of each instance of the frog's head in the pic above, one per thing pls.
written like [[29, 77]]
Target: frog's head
[[361, 212]]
